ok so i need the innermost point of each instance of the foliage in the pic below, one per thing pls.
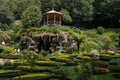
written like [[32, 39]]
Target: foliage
[[83, 57], [44, 53], [19, 63], [6, 17], [31, 76], [66, 16], [100, 30], [110, 52], [6, 49], [105, 57], [9, 73], [78, 37], [11, 56], [99, 70], [71, 50], [101, 64], [62, 59], [115, 68], [46, 63], [32, 17], [114, 61]]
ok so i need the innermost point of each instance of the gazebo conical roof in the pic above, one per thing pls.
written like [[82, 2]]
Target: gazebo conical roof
[[52, 12]]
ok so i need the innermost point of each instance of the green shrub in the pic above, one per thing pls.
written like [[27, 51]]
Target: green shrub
[[46, 63], [44, 53], [71, 63], [116, 56], [114, 61], [10, 73], [62, 59], [110, 52], [6, 49], [105, 57], [115, 68], [99, 70], [11, 56], [83, 57], [100, 30], [33, 69], [89, 55], [34, 76], [71, 50], [101, 64], [19, 63], [116, 75]]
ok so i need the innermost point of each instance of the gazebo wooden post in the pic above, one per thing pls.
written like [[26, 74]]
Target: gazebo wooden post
[[44, 22], [47, 19], [60, 20], [54, 19]]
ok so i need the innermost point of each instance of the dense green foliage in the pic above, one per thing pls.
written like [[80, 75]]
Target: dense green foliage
[[88, 13]]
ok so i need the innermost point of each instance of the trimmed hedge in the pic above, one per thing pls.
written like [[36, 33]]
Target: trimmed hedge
[[101, 64], [114, 62], [62, 59], [83, 57], [33, 69], [10, 73], [46, 63], [115, 68], [116, 75], [6, 49], [19, 63], [111, 52], [36, 76], [105, 57], [99, 70], [11, 56]]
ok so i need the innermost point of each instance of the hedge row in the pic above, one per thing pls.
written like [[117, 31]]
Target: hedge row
[[35, 76], [33, 69], [10, 73], [46, 63]]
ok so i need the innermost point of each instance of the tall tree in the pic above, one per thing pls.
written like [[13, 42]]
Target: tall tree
[[66, 16], [32, 16]]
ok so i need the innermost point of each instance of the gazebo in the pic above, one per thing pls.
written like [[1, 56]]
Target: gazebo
[[52, 18]]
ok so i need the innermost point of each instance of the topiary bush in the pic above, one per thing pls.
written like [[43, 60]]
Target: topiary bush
[[19, 63], [6, 50], [101, 64], [10, 73], [100, 30], [110, 52], [99, 70], [33, 69], [83, 57], [62, 59], [35, 76], [44, 53], [115, 68], [11, 56], [46, 63], [71, 50], [114, 61], [116, 75], [105, 57]]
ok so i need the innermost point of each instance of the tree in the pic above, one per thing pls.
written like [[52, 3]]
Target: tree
[[78, 37], [82, 11], [6, 16], [66, 16], [32, 16]]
